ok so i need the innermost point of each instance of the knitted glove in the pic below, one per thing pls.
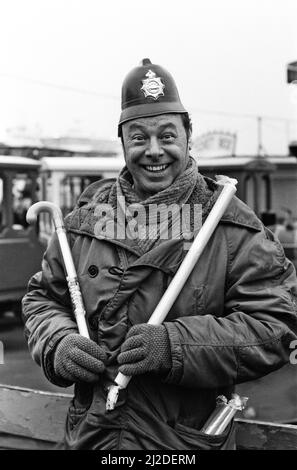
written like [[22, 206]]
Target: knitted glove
[[78, 359], [145, 349]]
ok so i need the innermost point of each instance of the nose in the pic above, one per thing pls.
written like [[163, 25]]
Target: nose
[[154, 149]]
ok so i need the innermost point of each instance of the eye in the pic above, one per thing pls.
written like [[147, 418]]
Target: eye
[[168, 137], [138, 137]]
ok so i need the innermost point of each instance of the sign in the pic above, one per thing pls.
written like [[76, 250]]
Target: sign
[[215, 144]]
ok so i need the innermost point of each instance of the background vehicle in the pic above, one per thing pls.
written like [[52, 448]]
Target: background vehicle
[[20, 248]]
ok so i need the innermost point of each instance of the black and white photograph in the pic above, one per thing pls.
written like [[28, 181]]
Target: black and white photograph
[[148, 229]]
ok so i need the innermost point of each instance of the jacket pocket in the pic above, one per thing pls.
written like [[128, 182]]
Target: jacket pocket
[[75, 414], [200, 441], [80, 403]]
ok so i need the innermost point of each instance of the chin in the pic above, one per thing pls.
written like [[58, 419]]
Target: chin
[[158, 188]]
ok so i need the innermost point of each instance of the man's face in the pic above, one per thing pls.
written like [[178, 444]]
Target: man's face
[[156, 151]]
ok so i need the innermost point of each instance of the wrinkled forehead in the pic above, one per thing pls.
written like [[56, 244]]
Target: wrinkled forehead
[[154, 122]]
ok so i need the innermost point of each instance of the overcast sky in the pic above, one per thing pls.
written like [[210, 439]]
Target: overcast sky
[[226, 56]]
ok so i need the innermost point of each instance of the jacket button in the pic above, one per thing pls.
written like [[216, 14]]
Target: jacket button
[[115, 270], [93, 271]]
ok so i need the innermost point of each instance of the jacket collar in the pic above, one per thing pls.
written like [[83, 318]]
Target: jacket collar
[[238, 213]]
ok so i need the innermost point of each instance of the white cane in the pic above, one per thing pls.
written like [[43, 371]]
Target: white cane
[[71, 276], [182, 274]]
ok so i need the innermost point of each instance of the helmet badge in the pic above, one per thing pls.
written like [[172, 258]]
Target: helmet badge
[[152, 86]]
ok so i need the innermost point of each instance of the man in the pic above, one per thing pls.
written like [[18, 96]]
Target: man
[[233, 321]]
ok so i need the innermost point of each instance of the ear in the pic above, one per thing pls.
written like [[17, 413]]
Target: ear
[[190, 142]]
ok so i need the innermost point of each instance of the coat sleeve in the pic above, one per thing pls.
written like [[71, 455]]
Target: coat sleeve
[[47, 311], [253, 336]]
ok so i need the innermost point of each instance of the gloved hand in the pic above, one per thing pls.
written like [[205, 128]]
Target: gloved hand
[[79, 359], [145, 349]]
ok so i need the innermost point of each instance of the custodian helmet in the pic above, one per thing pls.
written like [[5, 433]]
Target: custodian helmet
[[149, 90]]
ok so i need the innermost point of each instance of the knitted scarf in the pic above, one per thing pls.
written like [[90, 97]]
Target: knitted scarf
[[150, 231]]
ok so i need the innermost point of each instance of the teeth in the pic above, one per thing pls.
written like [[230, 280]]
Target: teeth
[[156, 167]]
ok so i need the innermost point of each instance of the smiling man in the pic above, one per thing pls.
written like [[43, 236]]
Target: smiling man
[[233, 321]]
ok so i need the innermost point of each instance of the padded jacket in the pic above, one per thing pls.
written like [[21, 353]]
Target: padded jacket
[[233, 322]]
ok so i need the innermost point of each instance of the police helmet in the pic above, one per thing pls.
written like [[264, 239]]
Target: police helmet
[[149, 90]]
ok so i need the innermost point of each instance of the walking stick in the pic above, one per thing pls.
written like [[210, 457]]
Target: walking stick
[[182, 274], [71, 276]]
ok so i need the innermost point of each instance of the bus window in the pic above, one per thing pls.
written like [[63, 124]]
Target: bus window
[[71, 188], [21, 199]]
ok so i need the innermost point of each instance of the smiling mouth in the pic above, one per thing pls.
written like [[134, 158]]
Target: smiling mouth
[[156, 168]]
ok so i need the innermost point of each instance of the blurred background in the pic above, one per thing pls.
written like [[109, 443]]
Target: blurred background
[[61, 69]]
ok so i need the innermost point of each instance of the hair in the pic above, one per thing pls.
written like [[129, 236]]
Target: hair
[[186, 122]]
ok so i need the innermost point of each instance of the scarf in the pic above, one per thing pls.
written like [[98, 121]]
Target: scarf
[[153, 226]]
